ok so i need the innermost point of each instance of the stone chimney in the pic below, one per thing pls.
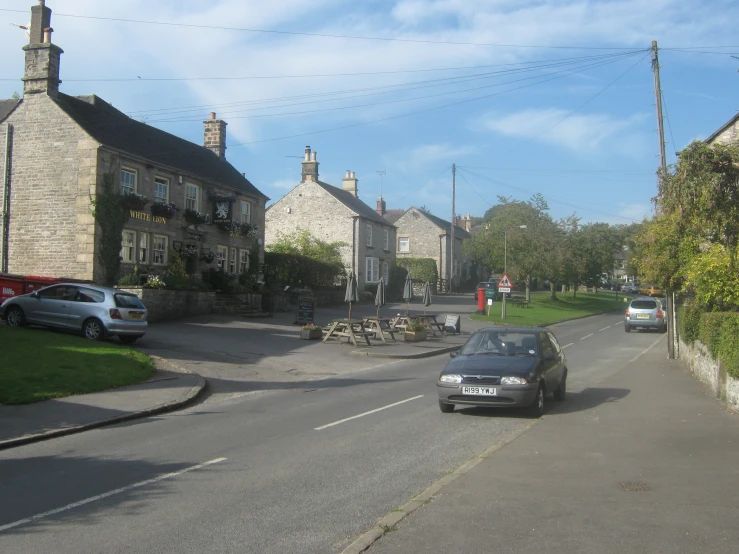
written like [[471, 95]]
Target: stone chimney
[[465, 222], [41, 73], [215, 135], [349, 183], [381, 206], [310, 166]]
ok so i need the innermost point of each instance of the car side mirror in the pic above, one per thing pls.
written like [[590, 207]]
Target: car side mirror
[[550, 358], [453, 354], [34, 294]]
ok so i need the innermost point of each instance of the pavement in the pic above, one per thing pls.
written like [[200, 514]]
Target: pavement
[[642, 462], [182, 378]]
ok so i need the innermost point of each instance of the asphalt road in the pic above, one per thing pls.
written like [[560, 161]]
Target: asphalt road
[[286, 470]]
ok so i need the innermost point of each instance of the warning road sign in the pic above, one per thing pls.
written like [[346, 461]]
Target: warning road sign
[[505, 282]]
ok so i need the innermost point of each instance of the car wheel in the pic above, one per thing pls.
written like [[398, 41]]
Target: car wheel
[[446, 408], [537, 407], [561, 391], [128, 339], [93, 329], [14, 317], [627, 328]]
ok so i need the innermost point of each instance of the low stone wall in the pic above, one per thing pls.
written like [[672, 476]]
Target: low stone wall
[[710, 372], [162, 305]]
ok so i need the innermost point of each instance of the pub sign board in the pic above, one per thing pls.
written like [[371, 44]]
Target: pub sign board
[[306, 310], [222, 211]]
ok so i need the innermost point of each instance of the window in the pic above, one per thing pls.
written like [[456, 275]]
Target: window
[[128, 181], [245, 212], [128, 246], [232, 261], [61, 292], [161, 190], [221, 257], [385, 272], [404, 244], [369, 235], [89, 295], [144, 248], [372, 266], [128, 300], [386, 244], [160, 249], [243, 261], [192, 195]]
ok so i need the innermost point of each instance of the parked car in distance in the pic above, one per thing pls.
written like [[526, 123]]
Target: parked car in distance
[[504, 368], [650, 290], [631, 288], [612, 285], [96, 312], [645, 313], [489, 287]]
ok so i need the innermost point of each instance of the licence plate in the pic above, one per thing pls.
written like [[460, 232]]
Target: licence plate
[[480, 391], [642, 316], [135, 315]]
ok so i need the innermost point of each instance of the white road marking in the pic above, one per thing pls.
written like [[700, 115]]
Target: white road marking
[[645, 351], [566, 345], [604, 328], [367, 413], [106, 495], [586, 336]]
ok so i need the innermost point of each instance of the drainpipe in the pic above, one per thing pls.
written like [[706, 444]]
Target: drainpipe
[[355, 218], [5, 205]]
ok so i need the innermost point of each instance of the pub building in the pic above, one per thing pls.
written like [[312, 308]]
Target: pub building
[[58, 150]]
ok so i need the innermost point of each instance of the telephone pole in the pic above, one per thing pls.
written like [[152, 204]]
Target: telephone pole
[[454, 224], [670, 297]]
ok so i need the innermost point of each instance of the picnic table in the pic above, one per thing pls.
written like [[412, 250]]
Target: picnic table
[[428, 320], [379, 326], [349, 328]]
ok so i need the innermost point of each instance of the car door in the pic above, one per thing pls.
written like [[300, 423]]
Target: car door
[[86, 303], [550, 361], [51, 306], [560, 369]]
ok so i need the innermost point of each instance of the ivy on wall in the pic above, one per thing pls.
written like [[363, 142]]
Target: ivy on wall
[[111, 212]]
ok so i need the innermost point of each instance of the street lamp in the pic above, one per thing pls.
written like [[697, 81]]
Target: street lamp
[[505, 248]]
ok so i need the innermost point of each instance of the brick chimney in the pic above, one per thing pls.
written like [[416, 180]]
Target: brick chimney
[[41, 73], [215, 135], [310, 166], [350, 183], [465, 222], [381, 206]]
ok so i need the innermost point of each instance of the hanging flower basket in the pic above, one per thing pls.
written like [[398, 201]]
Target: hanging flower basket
[[133, 201], [164, 210], [189, 252], [208, 257], [194, 217], [236, 229]]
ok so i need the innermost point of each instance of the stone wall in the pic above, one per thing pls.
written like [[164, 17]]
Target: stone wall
[[162, 305], [710, 372]]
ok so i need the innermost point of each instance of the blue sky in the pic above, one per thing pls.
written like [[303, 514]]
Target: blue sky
[[525, 96]]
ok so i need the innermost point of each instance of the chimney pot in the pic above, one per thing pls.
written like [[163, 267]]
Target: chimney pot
[[47, 35], [313, 156], [212, 115]]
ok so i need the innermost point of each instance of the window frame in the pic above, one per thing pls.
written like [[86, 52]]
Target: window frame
[[385, 272], [165, 182], [248, 212], [145, 249], [369, 235], [371, 274], [131, 247], [164, 251], [135, 181], [408, 240], [196, 200], [243, 261], [221, 261], [232, 262], [386, 243]]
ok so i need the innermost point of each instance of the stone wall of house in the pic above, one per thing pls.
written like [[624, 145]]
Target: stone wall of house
[[729, 135], [375, 248], [710, 372], [54, 167], [162, 305]]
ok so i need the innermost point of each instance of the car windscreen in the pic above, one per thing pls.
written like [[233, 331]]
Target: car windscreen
[[644, 304], [505, 343], [128, 301]]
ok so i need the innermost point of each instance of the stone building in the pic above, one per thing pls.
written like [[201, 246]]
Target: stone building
[[335, 214], [422, 235], [57, 152], [727, 133]]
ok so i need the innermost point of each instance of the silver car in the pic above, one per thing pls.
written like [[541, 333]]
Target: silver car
[[630, 288], [646, 313], [97, 312]]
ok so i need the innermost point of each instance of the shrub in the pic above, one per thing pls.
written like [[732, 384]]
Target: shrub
[[689, 320], [299, 271], [719, 331], [219, 279], [154, 282], [421, 269], [394, 289], [415, 326], [130, 279], [710, 331]]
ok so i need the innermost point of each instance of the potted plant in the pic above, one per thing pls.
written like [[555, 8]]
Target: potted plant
[[415, 332], [164, 210], [311, 331]]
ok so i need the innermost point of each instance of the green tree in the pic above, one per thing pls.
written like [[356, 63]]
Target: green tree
[[303, 243]]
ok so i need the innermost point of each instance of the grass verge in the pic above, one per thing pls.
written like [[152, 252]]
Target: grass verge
[[543, 310], [38, 364]]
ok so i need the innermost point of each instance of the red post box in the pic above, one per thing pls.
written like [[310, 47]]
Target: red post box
[[481, 300]]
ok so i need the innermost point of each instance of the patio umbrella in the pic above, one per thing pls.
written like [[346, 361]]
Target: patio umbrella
[[352, 294], [380, 296], [407, 291], [426, 296]]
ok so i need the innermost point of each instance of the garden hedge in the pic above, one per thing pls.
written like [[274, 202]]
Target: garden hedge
[[719, 331]]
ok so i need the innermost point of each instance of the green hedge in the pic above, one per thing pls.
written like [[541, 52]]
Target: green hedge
[[394, 289], [719, 331], [296, 270], [421, 269], [689, 320]]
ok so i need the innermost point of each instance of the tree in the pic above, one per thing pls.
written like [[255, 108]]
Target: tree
[[303, 243]]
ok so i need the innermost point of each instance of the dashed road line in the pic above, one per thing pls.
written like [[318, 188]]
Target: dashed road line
[[367, 413], [566, 345], [604, 328], [586, 336]]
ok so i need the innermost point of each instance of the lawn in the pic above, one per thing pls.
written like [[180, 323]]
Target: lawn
[[545, 311], [37, 364]]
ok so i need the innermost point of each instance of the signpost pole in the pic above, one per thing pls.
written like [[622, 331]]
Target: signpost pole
[[503, 314]]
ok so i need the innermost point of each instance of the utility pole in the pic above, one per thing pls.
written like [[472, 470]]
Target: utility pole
[[454, 224], [382, 174], [670, 297]]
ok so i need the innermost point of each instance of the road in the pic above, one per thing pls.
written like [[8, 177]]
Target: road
[[281, 470]]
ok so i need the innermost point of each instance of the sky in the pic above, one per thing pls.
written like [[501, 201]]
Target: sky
[[524, 96]]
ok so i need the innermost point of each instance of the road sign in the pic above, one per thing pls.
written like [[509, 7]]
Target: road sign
[[504, 289], [505, 282]]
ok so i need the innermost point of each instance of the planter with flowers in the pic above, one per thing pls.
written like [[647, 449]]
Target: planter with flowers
[[189, 252], [161, 209], [194, 217], [311, 331], [415, 332], [207, 256], [133, 201]]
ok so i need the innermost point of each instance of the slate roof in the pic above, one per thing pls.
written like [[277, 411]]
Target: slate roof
[[354, 203], [114, 129], [447, 226], [393, 215], [7, 106]]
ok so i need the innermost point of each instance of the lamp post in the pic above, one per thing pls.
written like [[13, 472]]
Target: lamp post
[[505, 259]]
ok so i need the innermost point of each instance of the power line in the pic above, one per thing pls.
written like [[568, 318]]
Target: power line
[[560, 170]]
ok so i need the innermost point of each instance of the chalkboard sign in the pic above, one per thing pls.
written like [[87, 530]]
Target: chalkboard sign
[[306, 310], [451, 324]]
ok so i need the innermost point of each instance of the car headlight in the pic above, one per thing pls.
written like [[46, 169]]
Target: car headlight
[[513, 381], [451, 378]]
